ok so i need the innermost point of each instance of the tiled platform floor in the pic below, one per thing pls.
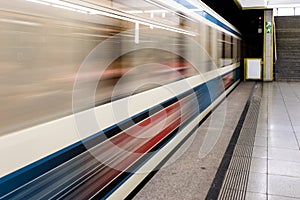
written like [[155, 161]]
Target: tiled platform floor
[[276, 156], [275, 166]]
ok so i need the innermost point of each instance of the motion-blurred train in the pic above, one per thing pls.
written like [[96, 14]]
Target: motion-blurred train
[[96, 95]]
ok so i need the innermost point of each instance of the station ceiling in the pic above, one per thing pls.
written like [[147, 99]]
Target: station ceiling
[[262, 4]]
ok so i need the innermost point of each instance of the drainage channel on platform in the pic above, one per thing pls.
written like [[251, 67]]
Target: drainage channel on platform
[[232, 176]]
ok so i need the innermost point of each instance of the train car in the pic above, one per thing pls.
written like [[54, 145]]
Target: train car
[[97, 95]]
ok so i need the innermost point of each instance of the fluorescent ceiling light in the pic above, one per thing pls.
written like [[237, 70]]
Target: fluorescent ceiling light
[[269, 3], [283, 6]]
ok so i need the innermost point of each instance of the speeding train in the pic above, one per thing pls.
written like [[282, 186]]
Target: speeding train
[[97, 95]]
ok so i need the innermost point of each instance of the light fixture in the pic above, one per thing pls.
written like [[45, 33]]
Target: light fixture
[[283, 6]]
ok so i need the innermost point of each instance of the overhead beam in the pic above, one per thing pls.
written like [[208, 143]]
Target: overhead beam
[[238, 4]]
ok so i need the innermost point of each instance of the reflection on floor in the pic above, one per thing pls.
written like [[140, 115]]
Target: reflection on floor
[[277, 156]]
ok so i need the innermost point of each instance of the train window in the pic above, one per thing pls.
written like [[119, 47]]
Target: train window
[[239, 49], [223, 46], [208, 39], [227, 59], [213, 47], [225, 49], [231, 47], [206, 58], [228, 51], [234, 49], [220, 48]]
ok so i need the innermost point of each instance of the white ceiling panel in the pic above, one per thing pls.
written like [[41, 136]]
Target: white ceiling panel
[[268, 3], [251, 3]]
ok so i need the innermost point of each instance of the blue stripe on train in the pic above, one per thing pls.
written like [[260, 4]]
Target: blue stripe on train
[[206, 93], [207, 16], [186, 4]]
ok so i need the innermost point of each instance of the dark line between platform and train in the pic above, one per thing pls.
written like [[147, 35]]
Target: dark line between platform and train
[[216, 185]]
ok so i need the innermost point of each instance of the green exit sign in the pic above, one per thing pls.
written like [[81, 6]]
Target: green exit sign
[[268, 27]]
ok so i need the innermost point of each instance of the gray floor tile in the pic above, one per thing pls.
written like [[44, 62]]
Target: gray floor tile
[[284, 154], [285, 141], [260, 152], [279, 121], [295, 122], [276, 97], [292, 98], [284, 186], [298, 136], [263, 115], [278, 127], [279, 104], [262, 127], [284, 168], [261, 141], [255, 196], [296, 128], [262, 123], [278, 117], [257, 183], [279, 112], [261, 133], [273, 133], [272, 197], [276, 109], [294, 111], [294, 117], [259, 165]]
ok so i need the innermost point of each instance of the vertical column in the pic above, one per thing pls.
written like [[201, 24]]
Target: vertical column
[[268, 46]]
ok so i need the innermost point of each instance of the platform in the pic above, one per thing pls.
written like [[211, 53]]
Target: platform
[[254, 156]]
